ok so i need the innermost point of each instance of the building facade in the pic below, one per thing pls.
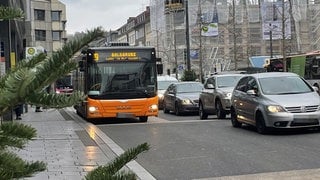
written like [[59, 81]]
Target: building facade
[[12, 35], [45, 25], [242, 29], [137, 30], [42, 28]]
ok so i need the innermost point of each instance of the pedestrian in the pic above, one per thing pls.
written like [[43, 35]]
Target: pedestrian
[[18, 110], [46, 89]]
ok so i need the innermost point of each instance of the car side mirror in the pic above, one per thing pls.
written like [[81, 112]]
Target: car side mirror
[[251, 92], [210, 86], [315, 88]]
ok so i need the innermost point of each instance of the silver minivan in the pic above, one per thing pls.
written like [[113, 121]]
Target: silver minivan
[[275, 100]]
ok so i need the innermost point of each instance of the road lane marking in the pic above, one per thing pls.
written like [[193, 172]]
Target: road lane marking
[[306, 174]]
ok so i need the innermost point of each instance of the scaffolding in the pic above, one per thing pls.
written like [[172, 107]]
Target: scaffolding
[[240, 32]]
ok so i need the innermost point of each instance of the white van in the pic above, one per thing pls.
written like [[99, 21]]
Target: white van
[[163, 83]]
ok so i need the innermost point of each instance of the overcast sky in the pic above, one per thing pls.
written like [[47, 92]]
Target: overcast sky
[[87, 14]]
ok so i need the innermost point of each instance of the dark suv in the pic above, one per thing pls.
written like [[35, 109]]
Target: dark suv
[[215, 98]]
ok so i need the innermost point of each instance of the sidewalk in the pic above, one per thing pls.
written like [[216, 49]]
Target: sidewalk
[[70, 146]]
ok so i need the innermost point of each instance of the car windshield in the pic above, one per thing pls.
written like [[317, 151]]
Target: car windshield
[[227, 81], [163, 85], [283, 85], [189, 87], [114, 80]]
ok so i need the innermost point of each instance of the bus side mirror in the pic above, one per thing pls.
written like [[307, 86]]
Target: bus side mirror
[[160, 68], [81, 66]]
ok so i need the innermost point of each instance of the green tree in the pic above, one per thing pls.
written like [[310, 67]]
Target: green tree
[[24, 84], [189, 75]]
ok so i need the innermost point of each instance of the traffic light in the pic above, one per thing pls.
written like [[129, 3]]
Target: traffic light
[[185, 54]]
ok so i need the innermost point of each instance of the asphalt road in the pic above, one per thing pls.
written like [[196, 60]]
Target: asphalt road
[[184, 147]]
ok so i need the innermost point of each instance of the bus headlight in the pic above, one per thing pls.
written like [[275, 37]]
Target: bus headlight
[[153, 107], [92, 109]]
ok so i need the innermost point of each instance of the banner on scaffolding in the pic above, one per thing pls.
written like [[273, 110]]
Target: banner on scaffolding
[[271, 14], [194, 54], [210, 28]]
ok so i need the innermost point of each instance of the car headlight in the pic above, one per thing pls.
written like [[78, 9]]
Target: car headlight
[[275, 108], [186, 101], [228, 95]]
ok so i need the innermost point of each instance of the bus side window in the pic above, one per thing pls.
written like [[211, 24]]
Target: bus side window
[[81, 66]]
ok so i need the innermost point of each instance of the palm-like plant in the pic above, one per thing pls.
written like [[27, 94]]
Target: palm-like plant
[[8, 13], [113, 169], [25, 84]]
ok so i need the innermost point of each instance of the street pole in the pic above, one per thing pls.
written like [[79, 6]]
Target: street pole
[[175, 45], [187, 36], [9, 34], [234, 35], [270, 38], [284, 60], [10, 49], [200, 41]]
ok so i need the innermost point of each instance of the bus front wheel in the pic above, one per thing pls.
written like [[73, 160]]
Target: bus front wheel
[[143, 118]]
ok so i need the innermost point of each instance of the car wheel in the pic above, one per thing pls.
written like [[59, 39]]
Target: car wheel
[[143, 118], [202, 113], [234, 119], [221, 113], [177, 109], [260, 124], [165, 110]]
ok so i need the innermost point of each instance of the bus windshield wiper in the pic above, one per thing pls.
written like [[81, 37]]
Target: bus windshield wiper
[[143, 90]]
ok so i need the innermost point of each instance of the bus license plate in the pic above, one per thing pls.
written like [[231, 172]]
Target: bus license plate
[[125, 115]]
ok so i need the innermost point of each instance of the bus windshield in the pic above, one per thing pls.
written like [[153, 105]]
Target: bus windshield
[[121, 80]]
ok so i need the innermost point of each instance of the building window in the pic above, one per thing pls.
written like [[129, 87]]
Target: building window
[[56, 35], [39, 14], [140, 33], [55, 15], [40, 35]]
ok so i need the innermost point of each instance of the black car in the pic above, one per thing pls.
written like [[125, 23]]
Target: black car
[[182, 97]]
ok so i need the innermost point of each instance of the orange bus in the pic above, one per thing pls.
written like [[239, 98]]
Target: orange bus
[[119, 81]]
